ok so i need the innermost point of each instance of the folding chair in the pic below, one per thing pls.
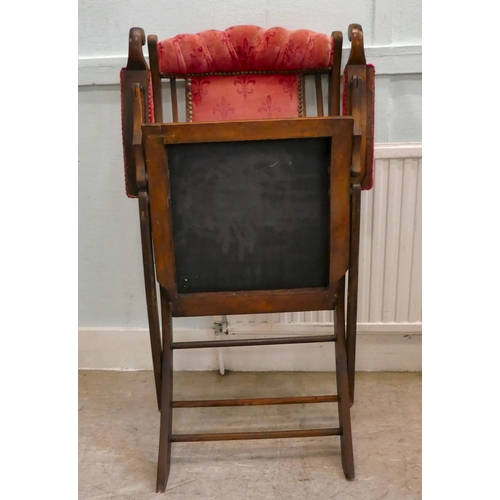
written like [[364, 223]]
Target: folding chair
[[250, 206]]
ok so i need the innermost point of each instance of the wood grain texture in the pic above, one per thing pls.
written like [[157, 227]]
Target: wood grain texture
[[339, 206], [214, 403], [165, 444], [357, 54], [136, 60], [339, 129], [232, 436], [254, 130], [334, 78], [341, 373], [161, 221], [173, 97], [352, 287], [309, 339], [155, 78], [130, 80], [150, 288], [208, 304], [319, 95]]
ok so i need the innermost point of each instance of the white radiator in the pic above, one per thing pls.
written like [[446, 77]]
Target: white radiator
[[390, 270]]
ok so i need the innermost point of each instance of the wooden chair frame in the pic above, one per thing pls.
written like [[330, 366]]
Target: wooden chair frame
[[146, 141]]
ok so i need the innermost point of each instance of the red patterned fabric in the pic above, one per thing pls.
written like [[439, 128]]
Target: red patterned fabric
[[244, 97], [245, 48]]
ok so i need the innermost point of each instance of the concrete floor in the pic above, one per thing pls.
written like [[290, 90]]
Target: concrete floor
[[119, 424]]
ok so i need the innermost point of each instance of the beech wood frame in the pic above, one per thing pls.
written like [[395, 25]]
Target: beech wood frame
[[147, 172]]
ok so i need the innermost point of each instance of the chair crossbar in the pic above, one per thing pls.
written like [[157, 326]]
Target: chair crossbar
[[212, 403], [253, 342], [232, 436]]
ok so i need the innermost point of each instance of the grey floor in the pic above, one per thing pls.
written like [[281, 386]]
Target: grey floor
[[119, 424]]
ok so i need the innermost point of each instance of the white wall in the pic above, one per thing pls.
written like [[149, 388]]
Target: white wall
[[110, 269]]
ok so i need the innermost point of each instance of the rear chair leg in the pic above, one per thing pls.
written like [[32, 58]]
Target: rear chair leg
[[165, 446], [343, 386]]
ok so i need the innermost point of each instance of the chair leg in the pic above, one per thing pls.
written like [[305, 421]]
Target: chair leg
[[150, 286], [344, 405], [352, 287], [165, 446]]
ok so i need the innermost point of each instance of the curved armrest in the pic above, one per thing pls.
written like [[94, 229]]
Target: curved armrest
[[135, 84], [136, 60], [358, 101], [357, 54]]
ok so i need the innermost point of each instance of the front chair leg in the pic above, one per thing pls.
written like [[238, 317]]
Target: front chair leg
[[165, 446], [352, 287], [150, 288], [344, 405]]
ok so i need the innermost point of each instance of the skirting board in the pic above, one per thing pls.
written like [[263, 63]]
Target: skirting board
[[389, 347]]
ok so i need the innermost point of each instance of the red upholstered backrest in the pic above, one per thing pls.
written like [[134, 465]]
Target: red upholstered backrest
[[244, 48], [248, 72], [244, 97], [245, 72]]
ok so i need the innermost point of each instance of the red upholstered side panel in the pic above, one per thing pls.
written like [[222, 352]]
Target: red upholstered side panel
[[370, 128], [245, 48], [244, 97]]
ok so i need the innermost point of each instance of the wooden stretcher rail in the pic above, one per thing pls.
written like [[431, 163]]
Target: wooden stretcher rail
[[296, 400], [253, 342], [254, 130], [234, 436], [253, 302]]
